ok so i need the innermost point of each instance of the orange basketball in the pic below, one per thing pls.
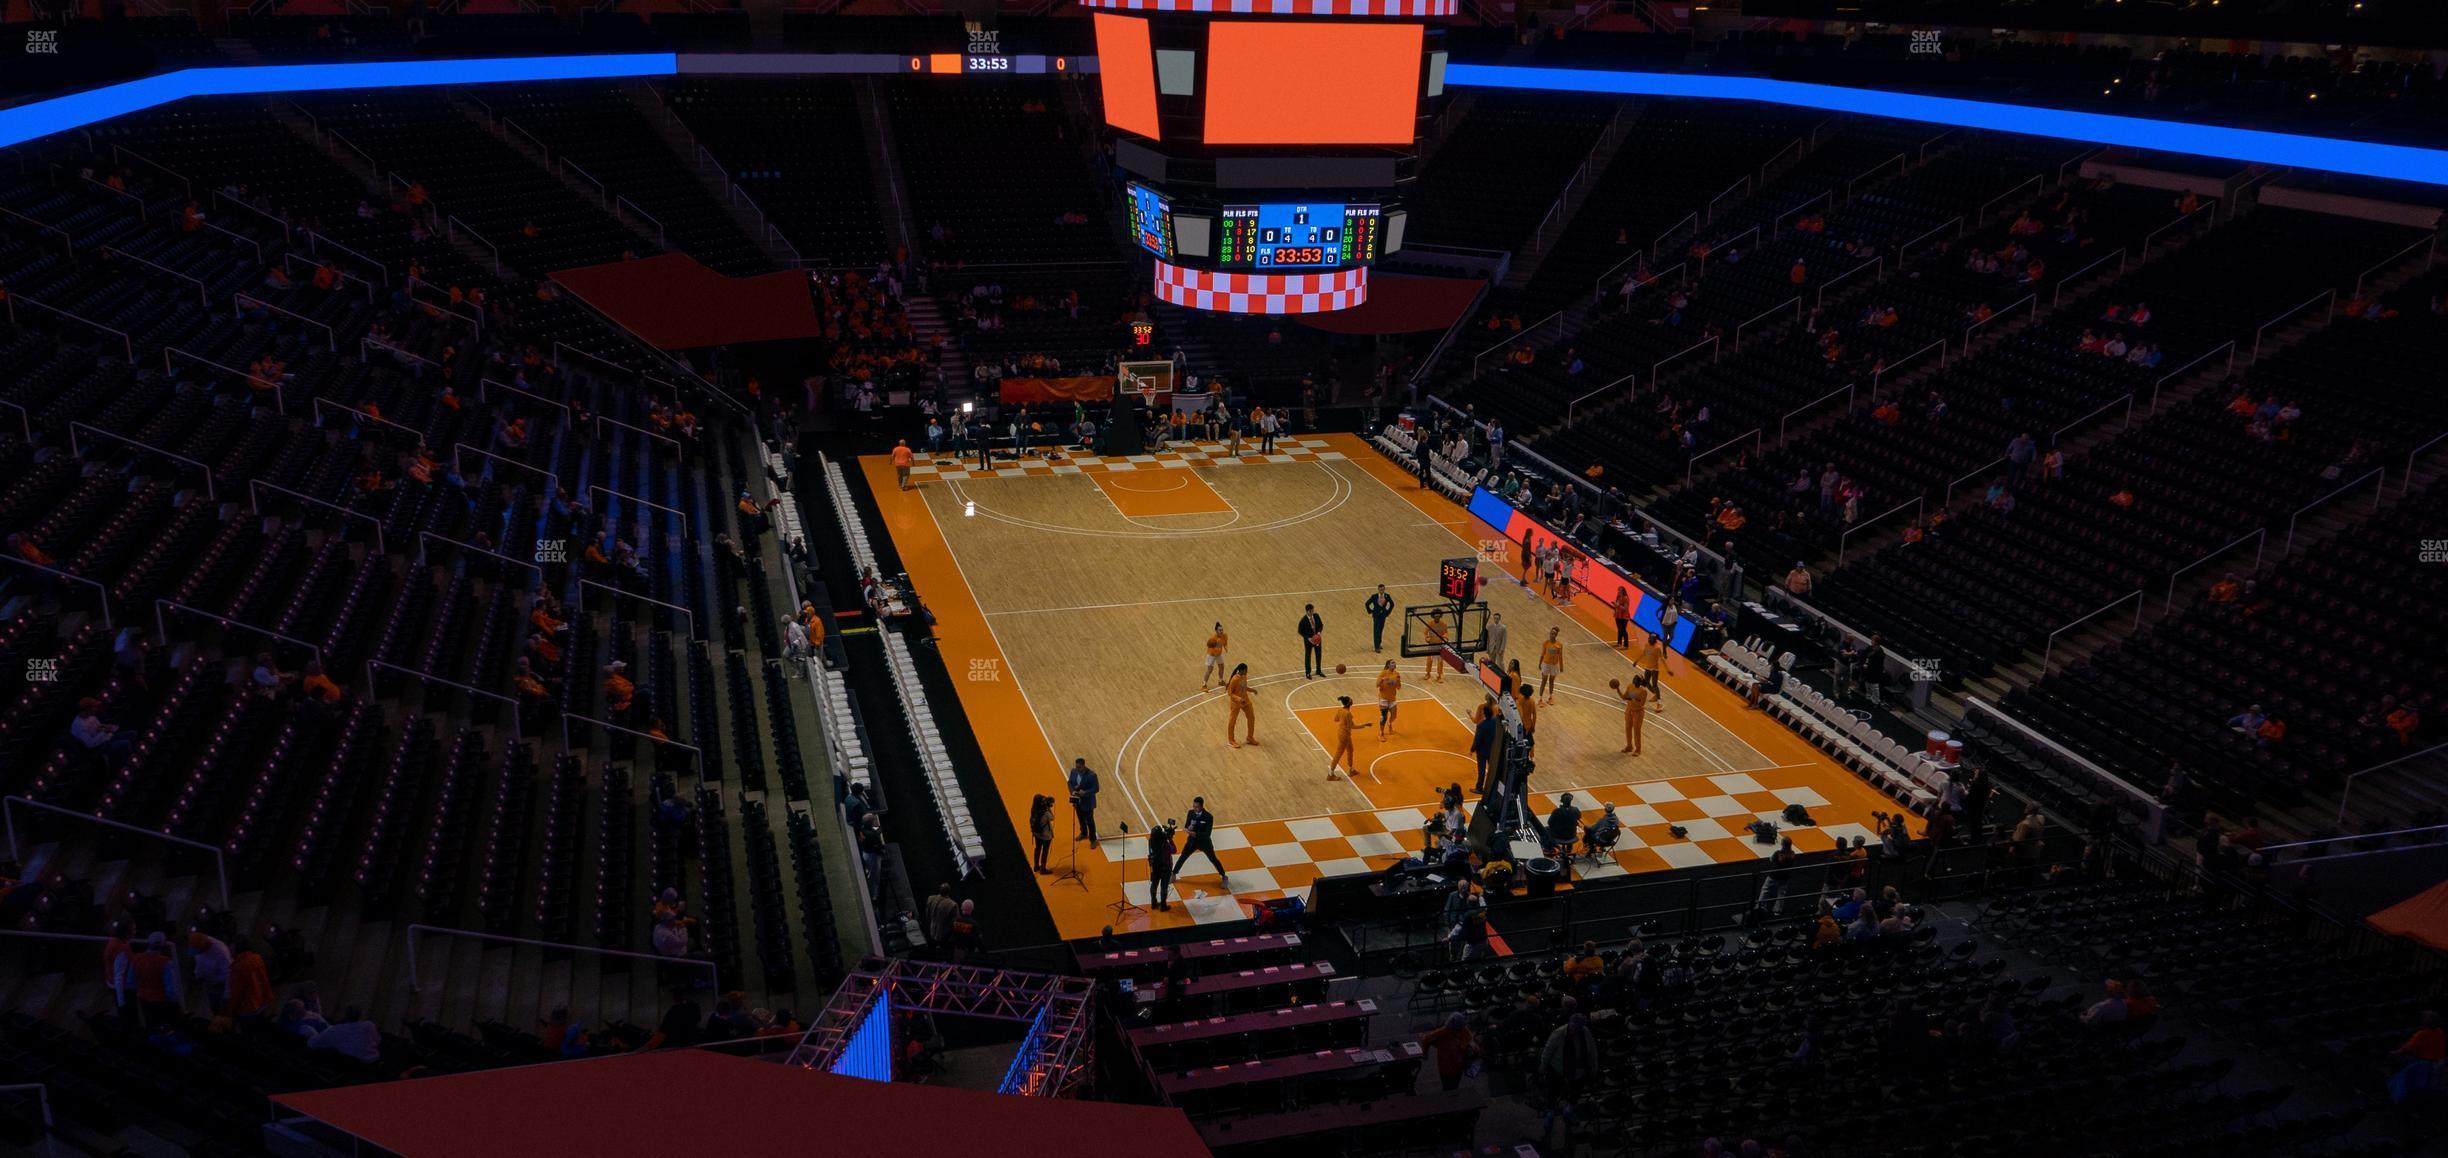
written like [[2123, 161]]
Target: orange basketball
[[1338, 669], [1615, 684]]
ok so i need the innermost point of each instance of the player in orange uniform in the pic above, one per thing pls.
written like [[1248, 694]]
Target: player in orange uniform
[[1526, 702], [1636, 709], [1652, 659], [1389, 686], [1215, 658], [1551, 663], [1237, 693], [1438, 636], [1342, 757]]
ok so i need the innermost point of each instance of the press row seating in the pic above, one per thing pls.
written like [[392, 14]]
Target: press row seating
[[1835, 729]]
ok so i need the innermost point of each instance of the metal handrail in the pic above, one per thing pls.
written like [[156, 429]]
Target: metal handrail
[[2431, 241], [2155, 811], [1569, 406], [67, 243], [2077, 159], [9, 803], [1729, 243], [416, 983], [370, 342], [2057, 292], [1794, 301], [2210, 206], [316, 241], [517, 711], [424, 537], [457, 447], [1858, 178], [1918, 503], [602, 193], [238, 237], [1980, 216], [1598, 284], [1820, 299], [2379, 472], [594, 488], [143, 211], [1655, 243], [191, 279], [453, 222], [2049, 653], [2327, 295], [1743, 183], [2348, 793], [2261, 534], [482, 382], [161, 625], [255, 503], [660, 234], [25, 420], [1526, 331], [1777, 223], [345, 276], [1846, 389], [1905, 248], [1660, 367], [679, 448], [2405, 487], [42, 1092], [694, 752], [126, 343], [2127, 399], [583, 584], [2030, 299], [102, 589], [1689, 467], [123, 153], [331, 339], [1879, 376], [521, 130], [2181, 371], [1949, 496], [211, 494], [356, 415], [443, 307], [352, 147], [226, 199], [1792, 146]]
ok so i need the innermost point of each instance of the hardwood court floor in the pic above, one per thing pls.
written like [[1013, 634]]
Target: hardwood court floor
[[1077, 597]]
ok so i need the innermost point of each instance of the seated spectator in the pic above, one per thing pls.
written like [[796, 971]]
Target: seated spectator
[[1585, 966], [105, 739], [618, 691], [352, 1036], [1564, 823], [295, 1017]]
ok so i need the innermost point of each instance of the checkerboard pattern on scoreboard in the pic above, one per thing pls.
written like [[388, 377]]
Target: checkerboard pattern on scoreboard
[[1275, 858], [1175, 456]]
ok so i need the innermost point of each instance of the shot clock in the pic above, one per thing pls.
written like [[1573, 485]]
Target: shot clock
[[1458, 579]]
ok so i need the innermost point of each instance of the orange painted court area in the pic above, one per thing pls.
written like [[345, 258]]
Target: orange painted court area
[[1712, 766], [1148, 493]]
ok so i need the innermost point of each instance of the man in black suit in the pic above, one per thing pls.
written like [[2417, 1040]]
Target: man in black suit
[[1380, 607], [1487, 741], [1082, 782], [1198, 835], [1313, 641]]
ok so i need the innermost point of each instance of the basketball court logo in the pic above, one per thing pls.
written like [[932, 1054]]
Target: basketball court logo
[[985, 671]]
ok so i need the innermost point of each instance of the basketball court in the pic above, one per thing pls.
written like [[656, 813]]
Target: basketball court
[[1077, 596]]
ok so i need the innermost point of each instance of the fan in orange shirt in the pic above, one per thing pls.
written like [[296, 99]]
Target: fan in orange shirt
[[1342, 757], [1389, 686], [1237, 695], [618, 691], [1551, 663], [1215, 658], [319, 686]]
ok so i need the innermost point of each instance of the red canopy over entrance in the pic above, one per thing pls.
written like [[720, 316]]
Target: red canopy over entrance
[[2423, 917], [673, 303], [691, 1101]]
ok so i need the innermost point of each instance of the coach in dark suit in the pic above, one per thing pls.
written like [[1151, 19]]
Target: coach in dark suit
[[1487, 740], [1313, 647], [1082, 781]]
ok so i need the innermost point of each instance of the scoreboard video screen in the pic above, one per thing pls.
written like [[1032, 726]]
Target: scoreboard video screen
[[1151, 218], [1296, 236]]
